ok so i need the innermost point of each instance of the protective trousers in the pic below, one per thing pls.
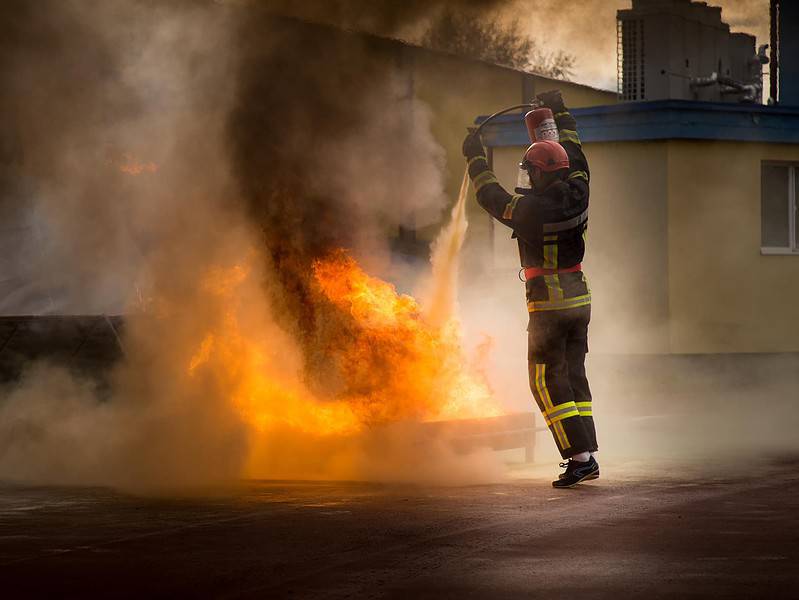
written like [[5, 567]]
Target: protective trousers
[[557, 342]]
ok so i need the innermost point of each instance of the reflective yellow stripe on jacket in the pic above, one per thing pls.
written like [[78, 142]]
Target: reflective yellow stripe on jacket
[[578, 175], [476, 159], [508, 213], [570, 135], [483, 179], [559, 304]]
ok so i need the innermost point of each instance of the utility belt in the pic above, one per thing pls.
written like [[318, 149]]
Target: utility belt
[[531, 272]]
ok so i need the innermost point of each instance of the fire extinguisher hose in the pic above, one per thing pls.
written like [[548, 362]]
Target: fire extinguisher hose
[[530, 105]]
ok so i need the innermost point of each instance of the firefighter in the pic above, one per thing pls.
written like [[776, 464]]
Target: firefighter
[[549, 218]]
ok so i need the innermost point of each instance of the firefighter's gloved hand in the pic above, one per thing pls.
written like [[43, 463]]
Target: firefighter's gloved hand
[[553, 100], [473, 146]]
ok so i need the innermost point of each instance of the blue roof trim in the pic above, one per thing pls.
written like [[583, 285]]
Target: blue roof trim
[[663, 120]]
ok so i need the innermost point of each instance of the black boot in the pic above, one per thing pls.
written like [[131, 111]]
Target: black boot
[[577, 472]]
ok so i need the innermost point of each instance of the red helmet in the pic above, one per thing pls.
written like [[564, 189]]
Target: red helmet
[[547, 155]]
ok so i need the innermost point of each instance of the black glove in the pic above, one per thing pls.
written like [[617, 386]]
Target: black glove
[[473, 146], [552, 100]]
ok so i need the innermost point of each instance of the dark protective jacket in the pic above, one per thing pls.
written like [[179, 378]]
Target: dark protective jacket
[[549, 226]]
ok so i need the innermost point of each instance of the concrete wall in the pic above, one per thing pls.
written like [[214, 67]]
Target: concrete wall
[[626, 258], [673, 253], [724, 296]]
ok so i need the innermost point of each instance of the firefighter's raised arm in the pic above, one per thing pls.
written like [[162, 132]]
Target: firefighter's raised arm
[[567, 129], [490, 194]]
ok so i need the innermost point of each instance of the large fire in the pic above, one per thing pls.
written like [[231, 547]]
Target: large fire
[[389, 365]]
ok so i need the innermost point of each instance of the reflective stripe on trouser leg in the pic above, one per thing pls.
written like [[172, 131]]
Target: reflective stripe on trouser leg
[[551, 353], [553, 415], [576, 350]]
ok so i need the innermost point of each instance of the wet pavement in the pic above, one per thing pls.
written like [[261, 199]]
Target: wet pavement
[[680, 534]]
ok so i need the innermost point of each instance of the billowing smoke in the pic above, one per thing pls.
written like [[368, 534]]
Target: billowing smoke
[[329, 146], [188, 164], [119, 110]]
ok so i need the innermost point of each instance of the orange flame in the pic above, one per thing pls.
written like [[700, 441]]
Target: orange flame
[[407, 368], [390, 366]]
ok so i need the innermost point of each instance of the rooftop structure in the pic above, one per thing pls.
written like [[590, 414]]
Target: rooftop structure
[[678, 49], [664, 120]]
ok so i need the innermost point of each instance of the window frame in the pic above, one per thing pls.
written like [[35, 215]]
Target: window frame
[[793, 207]]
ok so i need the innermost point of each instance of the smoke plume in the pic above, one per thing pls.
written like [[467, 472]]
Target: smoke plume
[[188, 164], [191, 164], [321, 153]]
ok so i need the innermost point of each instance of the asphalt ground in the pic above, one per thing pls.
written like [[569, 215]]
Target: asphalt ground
[[680, 532]]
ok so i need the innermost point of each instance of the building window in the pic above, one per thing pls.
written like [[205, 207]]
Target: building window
[[779, 218]]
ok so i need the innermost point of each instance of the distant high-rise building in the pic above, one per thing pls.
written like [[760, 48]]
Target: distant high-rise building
[[679, 49]]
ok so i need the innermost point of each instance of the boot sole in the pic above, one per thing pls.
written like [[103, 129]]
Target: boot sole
[[586, 478]]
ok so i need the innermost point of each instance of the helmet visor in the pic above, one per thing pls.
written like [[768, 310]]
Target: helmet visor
[[523, 184]]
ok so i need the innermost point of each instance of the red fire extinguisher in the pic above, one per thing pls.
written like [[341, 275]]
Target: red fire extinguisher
[[541, 125]]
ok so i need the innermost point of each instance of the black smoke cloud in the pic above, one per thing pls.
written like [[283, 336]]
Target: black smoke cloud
[[325, 141], [309, 136], [304, 95], [330, 147]]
